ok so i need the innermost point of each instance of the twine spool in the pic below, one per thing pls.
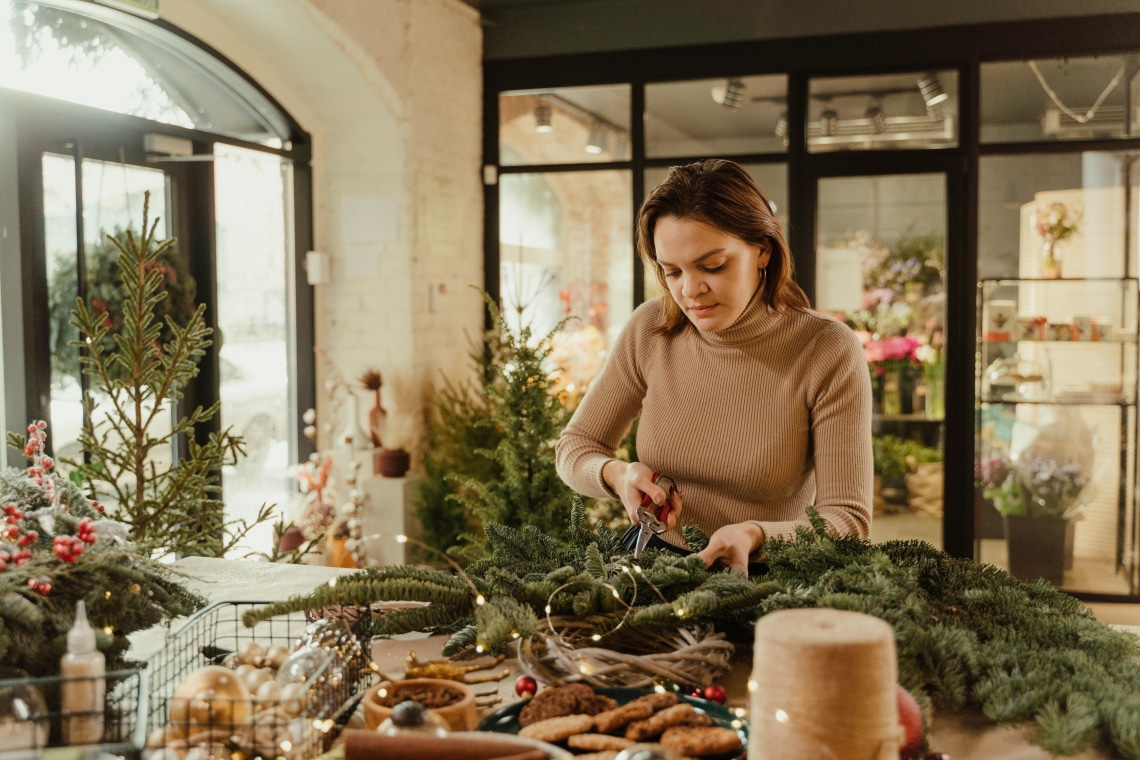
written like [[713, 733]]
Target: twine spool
[[824, 687]]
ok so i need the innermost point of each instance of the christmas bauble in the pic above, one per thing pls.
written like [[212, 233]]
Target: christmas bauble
[[251, 653], [211, 696], [714, 692], [304, 665], [526, 686], [910, 716]]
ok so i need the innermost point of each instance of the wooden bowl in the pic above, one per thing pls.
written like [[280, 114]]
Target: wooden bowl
[[459, 715]]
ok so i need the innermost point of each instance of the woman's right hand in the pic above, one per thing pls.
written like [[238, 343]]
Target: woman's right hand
[[632, 480]]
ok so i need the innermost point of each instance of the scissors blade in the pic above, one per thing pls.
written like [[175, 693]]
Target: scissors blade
[[643, 536]]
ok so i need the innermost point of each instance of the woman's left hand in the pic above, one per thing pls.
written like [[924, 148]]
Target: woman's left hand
[[732, 545]]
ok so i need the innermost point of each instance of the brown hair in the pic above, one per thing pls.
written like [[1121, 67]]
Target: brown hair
[[720, 193]]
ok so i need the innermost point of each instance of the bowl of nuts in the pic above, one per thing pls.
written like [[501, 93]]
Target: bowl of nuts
[[454, 702]]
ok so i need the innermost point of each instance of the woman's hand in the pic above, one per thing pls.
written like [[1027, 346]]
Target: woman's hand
[[632, 480], [732, 545]]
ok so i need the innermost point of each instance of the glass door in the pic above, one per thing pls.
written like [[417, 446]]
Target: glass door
[[880, 268], [83, 205]]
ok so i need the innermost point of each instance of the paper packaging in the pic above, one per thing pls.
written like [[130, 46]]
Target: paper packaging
[[1082, 327], [1059, 331], [999, 320], [1102, 328], [1031, 328]]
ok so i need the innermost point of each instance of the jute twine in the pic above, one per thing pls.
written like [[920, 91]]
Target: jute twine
[[824, 687], [567, 653]]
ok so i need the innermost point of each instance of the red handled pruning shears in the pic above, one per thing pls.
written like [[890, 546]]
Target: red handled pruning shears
[[654, 523]]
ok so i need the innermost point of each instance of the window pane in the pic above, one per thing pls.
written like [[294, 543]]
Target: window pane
[[716, 117], [1061, 230], [568, 125], [566, 250], [113, 196], [773, 182], [116, 61], [1059, 99], [911, 110], [253, 255], [880, 256]]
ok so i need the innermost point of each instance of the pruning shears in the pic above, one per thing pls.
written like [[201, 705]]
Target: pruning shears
[[651, 521]]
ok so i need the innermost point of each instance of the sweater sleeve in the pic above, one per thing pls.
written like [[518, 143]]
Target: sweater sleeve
[[605, 414], [839, 402]]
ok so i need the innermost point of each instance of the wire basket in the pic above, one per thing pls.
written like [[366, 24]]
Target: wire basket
[[32, 720], [297, 725]]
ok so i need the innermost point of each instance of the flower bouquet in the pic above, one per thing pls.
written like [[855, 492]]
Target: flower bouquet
[[1054, 224]]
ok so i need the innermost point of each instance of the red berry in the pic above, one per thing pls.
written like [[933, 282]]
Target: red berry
[[3, 565], [714, 692]]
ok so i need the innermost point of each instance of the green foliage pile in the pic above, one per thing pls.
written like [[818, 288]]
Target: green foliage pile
[[124, 592], [135, 377], [967, 634]]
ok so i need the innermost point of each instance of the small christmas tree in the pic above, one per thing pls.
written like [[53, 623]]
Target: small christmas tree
[[526, 416], [135, 378]]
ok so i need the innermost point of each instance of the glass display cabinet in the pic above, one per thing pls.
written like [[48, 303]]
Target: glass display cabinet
[[1056, 450]]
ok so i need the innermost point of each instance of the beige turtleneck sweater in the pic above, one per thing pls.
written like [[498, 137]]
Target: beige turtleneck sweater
[[755, 422]]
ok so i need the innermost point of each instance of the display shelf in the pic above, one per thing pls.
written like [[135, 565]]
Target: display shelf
[[1060, 354]]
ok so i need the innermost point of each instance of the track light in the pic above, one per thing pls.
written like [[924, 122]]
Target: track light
[[932, 94], [782, 124], [828, 121], [874, 114], [542, 116], [597, 141], [731, 95]]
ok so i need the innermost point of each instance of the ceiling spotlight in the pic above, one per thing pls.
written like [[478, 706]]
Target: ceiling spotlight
[[828, 121], [731, 95], [874, 114], [542, 118], [596, 142], [931, 89], [782, 124]]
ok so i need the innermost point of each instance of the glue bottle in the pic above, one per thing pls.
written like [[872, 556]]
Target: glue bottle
[[82, 670]]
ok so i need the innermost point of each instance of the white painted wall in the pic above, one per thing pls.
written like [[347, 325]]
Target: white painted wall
[[390, 91]]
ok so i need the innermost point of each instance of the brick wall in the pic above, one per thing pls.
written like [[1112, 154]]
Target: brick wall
[[390, 91]]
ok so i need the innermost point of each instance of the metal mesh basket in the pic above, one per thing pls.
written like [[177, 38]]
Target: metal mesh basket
[[297, 727], [31, 718]]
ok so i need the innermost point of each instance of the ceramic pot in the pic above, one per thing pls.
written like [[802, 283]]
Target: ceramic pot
[[391, 463], [459, 715]]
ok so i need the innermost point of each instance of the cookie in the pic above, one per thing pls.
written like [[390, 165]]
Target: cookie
[[557, 729], [652, 726], [700, 741], [698, 718], [597, 742], [639, 709], [557, 701]]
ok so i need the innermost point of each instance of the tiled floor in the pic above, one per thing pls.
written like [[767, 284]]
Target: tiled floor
[[925, 527]]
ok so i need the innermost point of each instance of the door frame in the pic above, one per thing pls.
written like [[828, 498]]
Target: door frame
[[959, 285]]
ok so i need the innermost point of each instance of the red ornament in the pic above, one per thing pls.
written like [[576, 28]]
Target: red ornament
[[41, 585], [526, 686], [910, 716], [714, 692]]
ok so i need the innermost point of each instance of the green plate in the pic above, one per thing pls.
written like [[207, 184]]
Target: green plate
[[506, 719]]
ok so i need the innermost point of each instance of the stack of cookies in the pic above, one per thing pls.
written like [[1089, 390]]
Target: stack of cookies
[[598, 726]]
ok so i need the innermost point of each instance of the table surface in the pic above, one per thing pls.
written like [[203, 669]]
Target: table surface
[[963, 736]]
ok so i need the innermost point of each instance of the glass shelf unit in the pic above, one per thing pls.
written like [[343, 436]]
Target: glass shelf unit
[[1056, 383]]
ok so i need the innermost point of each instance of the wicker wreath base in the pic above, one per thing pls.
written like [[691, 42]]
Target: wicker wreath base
[[690, 656]]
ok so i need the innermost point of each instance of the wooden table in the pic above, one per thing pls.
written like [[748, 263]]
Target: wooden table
[[963, 736]]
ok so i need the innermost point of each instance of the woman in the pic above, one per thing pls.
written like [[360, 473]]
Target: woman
[[754, 404]]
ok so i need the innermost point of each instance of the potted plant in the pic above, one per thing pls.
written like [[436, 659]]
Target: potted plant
[[1039, 498]]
